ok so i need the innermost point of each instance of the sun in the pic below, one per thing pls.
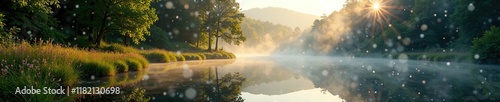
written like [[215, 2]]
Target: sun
[[379, 17], [376, 6]]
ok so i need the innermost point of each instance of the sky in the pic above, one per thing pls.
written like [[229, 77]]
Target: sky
[[314, 7]]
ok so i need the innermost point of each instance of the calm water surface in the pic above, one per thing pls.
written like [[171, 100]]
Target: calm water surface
[[312, 79]]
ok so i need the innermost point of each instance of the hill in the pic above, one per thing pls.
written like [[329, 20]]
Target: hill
[[282, 16]]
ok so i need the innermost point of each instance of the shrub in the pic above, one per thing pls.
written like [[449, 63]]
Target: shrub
[[121, 66], [487, 47], [192, 57], [203, 57], [180, 58], [159, 38], [143, 61], [96, 68], [156, 57], [134, 65]]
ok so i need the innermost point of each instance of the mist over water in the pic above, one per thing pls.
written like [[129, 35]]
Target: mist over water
[[321, 79]]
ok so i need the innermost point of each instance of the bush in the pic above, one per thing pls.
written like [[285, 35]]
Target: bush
[[121, 66], [156, 57], [144, 62], [134, 65], [180, 58], [96, 68], [203, 57], [487, 47], [192, 57], [159, 38]]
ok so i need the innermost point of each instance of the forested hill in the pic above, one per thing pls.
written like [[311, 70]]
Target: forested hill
[[263, 37], [418, 26], [282, 16]]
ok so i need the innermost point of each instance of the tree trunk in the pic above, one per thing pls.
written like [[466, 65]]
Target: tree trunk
[[217, 41], [101, 31], [217, 35], [209, 40], [99, 38]]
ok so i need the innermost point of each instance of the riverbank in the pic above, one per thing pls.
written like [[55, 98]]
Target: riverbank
[[50, 65], [464, 57], [164, 56]]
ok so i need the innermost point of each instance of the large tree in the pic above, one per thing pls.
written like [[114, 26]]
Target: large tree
[[472, 17], [223, 18], [33, 17], [130, 18]]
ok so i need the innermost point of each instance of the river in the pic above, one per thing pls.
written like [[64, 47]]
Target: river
[[311, 79]]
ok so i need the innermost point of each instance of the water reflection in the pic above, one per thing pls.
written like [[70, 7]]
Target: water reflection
[[359, 79], [183, 81], [312, 79]]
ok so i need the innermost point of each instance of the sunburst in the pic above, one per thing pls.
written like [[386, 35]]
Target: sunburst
[[379, 16]]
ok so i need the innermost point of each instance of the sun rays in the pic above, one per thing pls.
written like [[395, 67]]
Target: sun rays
[[379, 16]]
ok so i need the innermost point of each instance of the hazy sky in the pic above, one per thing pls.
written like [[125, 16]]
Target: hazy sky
[[315, 7]]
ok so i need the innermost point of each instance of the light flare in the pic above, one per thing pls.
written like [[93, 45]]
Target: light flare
[[379, 15]]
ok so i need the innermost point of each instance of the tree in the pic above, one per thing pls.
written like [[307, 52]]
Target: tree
[[33, 17], [180, 18], [485, 49], [225, 18], [130, 18], [472, 17]]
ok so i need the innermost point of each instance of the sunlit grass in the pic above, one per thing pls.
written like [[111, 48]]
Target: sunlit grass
[[48, 65]]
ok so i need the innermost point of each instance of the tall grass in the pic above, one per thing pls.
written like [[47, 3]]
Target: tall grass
[[47, 65]]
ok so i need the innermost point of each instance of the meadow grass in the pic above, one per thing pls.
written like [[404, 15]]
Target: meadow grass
[[49, 65], [44, 64]]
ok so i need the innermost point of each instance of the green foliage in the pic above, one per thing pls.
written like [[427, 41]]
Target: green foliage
[[33, 17], [180, 58], [487, 47], [121, 66], [131, 18], [158, 39], [224, 19], [137, 95], [6, 36], [226, 89], [441, 57], [48, 65], [96, 68], [471, 23], [156, 57], [219, 55], [134, 65], [10, 79], [192, 57]]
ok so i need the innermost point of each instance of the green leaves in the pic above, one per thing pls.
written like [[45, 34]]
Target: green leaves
[[487, 47], [33, 17], [130, 18]]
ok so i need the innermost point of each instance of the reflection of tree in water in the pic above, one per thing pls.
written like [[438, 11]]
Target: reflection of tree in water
[[388, 84], [225, 89], [204, 86]]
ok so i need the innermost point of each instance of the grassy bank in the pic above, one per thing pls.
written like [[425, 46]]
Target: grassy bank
[[48, 65], [163, 56], [442, 57], [433, 56]]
